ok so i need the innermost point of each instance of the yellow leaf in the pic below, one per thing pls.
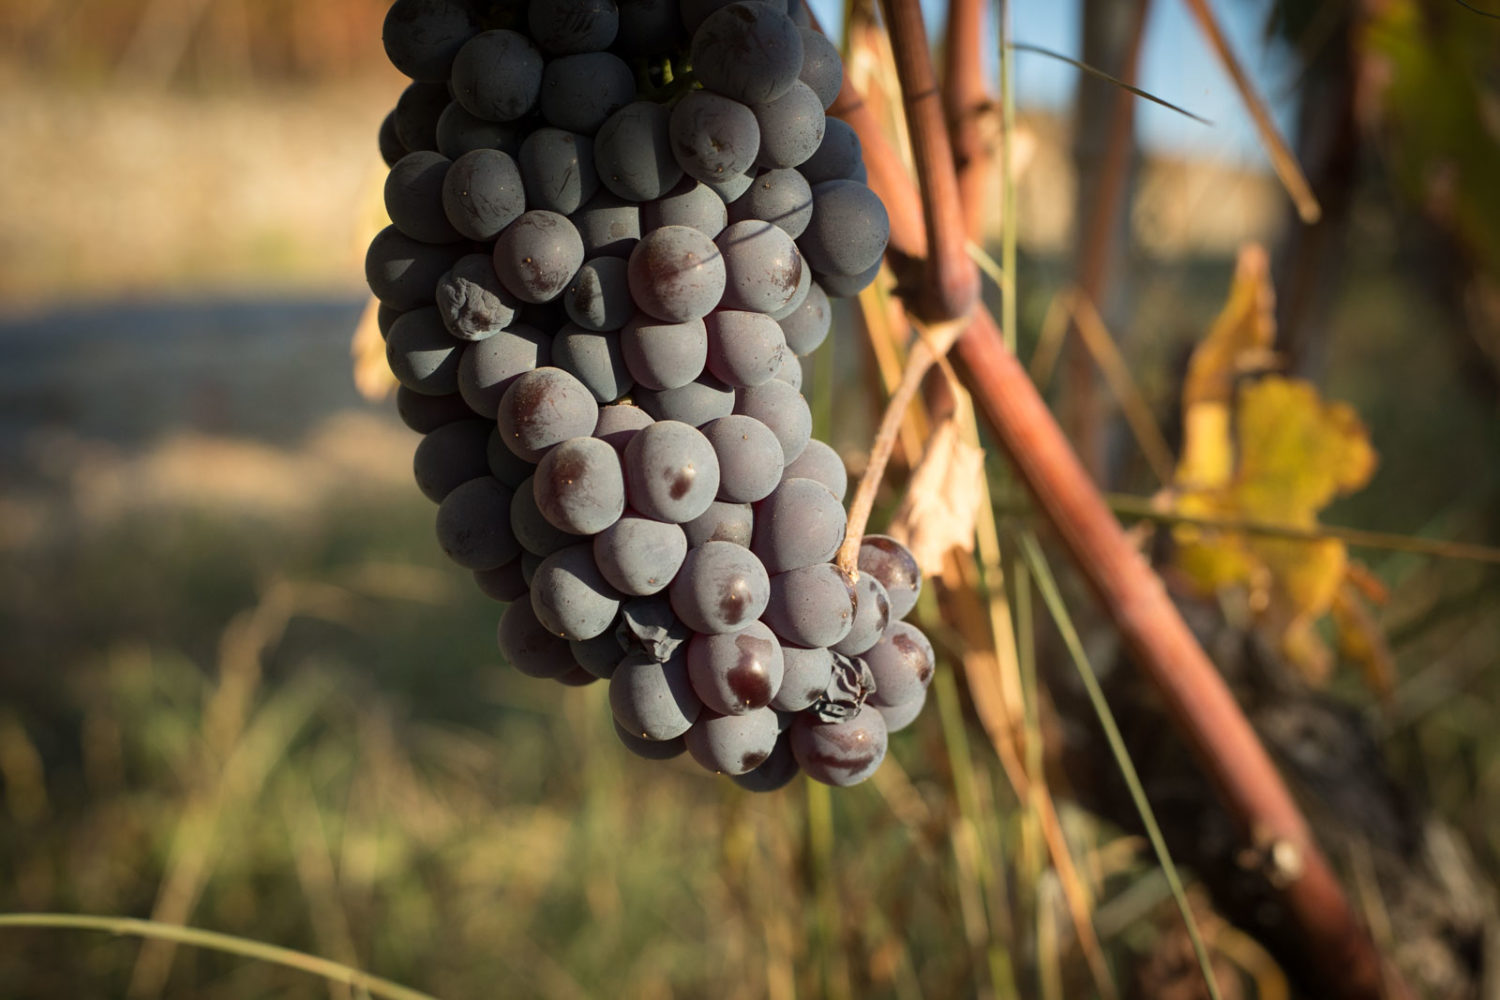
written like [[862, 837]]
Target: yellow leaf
[[1270, 451]]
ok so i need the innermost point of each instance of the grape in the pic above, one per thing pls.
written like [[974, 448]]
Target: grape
[[731, 187], [425, 414], [791, 127], [808, 327], [676, 274], [691, 203], [473, 525], [650, 749], [649, 626], [822, 69], [633, 152], [417, 112], [843, 286], [653, 700], [671, 472], [721, 588], [898, 717], [534, 533], [799, 296], [872, 614], [838, 157], [473, 303], [537, 255], [749, 455], [798, 11], [696, 403], [483, 193], [840, 753], [748, 51], [648, 27], [761, 264], [459, 132], [530, 562], [790, 372], [543, 408], [385, 318], [812, 606], [503, 583], [557, 168], [801, 523], [497, 75], [694, 12], [403, 272], [892, 563], [722, 522], [489, 366], [599, 296], [822, 464], [732, 744], [619, 423], [735, 672], [902, 662], [450, 456], [571, 597], [805, 677], [580, 91], [744, 348], [594, 359], [609, 225], [563, 26], [599, 655], [639, 556], [422, 36], [414, 197], [781, 408], [503, 463], [528, 646], [579, 486], [421, 353], [781, 197], [576, 677], [713, 137], [664, 355], [849, 229], [391, 147], [774, 773]]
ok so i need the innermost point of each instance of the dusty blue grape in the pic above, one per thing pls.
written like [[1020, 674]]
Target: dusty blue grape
[[664, 355], [504, 464], [691, 203], [580, 92], [557, 167], [872, 615], [473, 525], [450, 456], [732, 744], [422, 354], [722, 587], [849, 229], [422, 36], [799, 524], [701, 400], [652, 700], [497, 75], [459, 132], [598, 298], [744, 348], [676, 274], [791, 127], [489, 366], [609, 225], [579, 486], [425, 414], [618, 423], [570, 596], [820, 463], [782, 197], [780, 407], [633, 152], [639, 555], [565, 26], [902, 662], [736, 672], [774, 773], [671, 472], [402, 272], [416, 115], [750, 460], [838, 157], [822, 68], [896, 568], [840, 753], [762, 266], [806, 674], [537, 255], [810, 607], [543, 408], [414, 197], [748, 51], [529, 646], [503, 583], [594, 359], [713, 137], [483, 193], [535, 534], [722, 522]]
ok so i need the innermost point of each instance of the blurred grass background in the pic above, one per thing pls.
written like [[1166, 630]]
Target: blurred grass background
[[240, 689]]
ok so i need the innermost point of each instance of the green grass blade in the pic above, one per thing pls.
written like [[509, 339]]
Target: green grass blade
[[1032, 553], [214, 941]]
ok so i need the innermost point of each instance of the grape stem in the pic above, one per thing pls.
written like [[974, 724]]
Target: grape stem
[[930, 348]]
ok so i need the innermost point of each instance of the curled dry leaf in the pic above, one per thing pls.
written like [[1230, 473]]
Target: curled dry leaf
[[942, 500]]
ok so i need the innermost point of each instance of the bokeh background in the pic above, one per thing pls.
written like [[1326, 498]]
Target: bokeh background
[[240, 689]]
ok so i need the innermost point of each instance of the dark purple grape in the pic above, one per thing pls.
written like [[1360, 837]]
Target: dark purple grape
[[425, 414], [839, 156], [633, 152], [776, 772], [722, 587], [807, 327], [671, 471], [609, 225], [534, 533], [663, 355], [537, 255], [762, 268], [504, 464], [650, 749], [691, 203], [780, 197], [902, 662], [744, 348], [422, 36], [849, 229], [822, 69], [898, 717], [473, 525], [811, 607], [579, 486], [483, 193], [845, 286], [528, 646], [422, 354], [872, 615], [639, 556], [732, 744], [417, 112], [414, 197], [676, 274], [736, 672], [557, 167], [598, 298], [713, 137], [648, 27], [749, 455], [822, 464], [790, 372], [619, 423], [571, 597], [652, 700], [403, 272], [497, 75], [892, 563], [800, 524], [543, 408], [450, 456], [722, 522], [503, 583], [579, 92], [748, 51], [459, 132], [781, 408], [594, 359], [599, 655], [489, 366], [791, 127], [564, 26], [806, 674], [701, 400], [840, 753]]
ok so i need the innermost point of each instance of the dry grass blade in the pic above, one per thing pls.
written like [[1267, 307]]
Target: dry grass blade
[[1032, 552], [193, 937], [1282, 159], [1116, 81]]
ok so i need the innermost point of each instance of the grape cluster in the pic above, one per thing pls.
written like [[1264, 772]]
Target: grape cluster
[[614, 228]]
